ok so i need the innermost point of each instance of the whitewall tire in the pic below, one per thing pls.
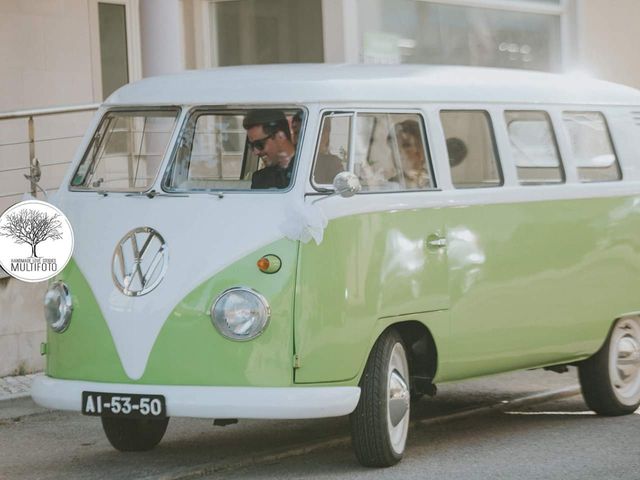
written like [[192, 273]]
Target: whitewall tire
[[610, 379], [380, 422]]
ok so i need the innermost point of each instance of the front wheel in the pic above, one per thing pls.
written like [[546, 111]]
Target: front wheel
[[610, 379], [380, 422], [134, 434]]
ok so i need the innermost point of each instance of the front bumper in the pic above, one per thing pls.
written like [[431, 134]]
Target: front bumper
[[210, 402]]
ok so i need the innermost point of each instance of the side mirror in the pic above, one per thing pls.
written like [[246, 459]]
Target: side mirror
[[346, 184]]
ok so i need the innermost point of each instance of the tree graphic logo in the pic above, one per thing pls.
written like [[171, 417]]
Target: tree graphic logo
[[32, 227], [36, 241]]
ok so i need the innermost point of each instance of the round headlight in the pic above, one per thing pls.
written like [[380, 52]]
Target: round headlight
[[58, 307], [240, 313]]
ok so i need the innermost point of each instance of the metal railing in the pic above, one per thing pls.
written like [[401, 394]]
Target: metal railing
[[32, 165], [32, 161]]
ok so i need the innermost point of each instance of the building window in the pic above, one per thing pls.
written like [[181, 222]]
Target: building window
[[245, 32], [114, 61], [503, 34]]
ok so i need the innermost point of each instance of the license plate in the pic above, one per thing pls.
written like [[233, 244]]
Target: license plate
[[123, 405]]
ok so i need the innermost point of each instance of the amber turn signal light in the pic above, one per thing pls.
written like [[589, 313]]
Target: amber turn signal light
[[269, 264]]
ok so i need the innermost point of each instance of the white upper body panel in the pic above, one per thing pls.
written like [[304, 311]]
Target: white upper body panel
[[370, 83]]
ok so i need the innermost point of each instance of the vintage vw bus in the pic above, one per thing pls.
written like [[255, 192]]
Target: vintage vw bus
[[434, 224]]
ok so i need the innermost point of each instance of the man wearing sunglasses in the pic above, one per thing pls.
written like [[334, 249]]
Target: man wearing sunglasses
[[269, 137]]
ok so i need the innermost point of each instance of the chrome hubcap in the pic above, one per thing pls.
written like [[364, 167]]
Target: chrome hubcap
[[398, 398], [624, 361]]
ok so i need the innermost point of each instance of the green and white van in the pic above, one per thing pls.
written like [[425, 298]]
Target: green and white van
[[472, 221]]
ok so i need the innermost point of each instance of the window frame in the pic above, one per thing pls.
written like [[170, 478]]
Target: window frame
[[353, 112], [561, 162], [563, 10], [130, 109], [206, 52], [496, 150], [198, 110], [134, 52], [320, 187], [605, 120]]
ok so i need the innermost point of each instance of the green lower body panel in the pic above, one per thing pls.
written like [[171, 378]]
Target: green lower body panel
[[188, 349], [526, 284]]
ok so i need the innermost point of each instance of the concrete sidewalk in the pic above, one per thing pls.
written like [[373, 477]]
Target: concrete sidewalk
[[16, 387]]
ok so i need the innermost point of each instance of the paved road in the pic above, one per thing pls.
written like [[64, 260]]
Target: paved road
[[39, 444], [558, 440]]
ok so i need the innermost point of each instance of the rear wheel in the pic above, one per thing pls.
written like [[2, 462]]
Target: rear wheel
[[134, 434], [610, 379], [380, 422]]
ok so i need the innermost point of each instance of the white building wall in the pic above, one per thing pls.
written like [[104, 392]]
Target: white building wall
[[22, 326], [608, 38], [45, 53]]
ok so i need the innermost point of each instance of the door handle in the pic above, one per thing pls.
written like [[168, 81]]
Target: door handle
[[436, 241]]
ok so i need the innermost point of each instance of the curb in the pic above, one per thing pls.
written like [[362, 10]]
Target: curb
[[14, 396], [345, 440], [16, 387]]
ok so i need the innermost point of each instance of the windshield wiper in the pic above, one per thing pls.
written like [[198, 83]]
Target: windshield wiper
[[153, 194]]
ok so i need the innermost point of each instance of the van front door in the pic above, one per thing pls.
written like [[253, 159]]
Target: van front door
[[383, 254]]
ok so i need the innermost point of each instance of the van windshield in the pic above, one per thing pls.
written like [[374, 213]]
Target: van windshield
[[253, 149], [126, 151]]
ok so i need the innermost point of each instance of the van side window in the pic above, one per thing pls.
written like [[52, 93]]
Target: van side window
[[390, 152], [591, 146], [533, 147], [471, 149], [332, 154]]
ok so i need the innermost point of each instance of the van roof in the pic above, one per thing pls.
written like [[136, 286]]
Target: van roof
[[326, 83]]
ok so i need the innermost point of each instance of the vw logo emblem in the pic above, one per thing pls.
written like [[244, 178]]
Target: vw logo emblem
[[139, 262]]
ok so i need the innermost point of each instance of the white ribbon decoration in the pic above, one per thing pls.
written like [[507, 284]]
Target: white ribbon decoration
[[304, 222]]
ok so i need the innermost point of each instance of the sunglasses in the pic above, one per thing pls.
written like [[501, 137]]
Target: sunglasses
[[260, 143]]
